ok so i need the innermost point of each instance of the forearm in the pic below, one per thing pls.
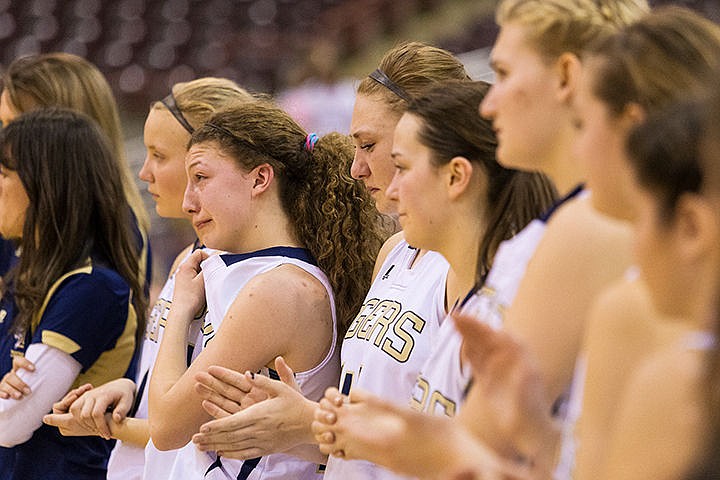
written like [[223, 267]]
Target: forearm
[[134, 431], [54, 374], [164, 400]]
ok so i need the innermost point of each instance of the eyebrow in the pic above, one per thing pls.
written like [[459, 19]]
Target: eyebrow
[[361, 131]]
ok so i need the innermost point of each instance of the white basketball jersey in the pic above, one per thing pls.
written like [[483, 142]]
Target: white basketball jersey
[[443, 382], [391, 338], [127, 461], [225, 275]]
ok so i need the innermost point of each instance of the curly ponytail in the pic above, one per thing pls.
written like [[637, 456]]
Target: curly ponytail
[[332, 215]]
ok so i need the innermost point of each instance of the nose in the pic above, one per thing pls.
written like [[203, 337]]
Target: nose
[[145, 174], [391, 192], [190, 201], [487, 106], [359, 168]]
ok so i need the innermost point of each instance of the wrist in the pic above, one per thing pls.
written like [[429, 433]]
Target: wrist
[[308, 415]]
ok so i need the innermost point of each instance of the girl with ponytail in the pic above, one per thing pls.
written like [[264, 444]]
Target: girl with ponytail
[[302, 237]]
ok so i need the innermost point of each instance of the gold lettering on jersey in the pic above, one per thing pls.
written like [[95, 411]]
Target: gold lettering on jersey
[[422, 387], [383, 323], [3, 314], [434, 403], [208, 331], [359, 320], [158, 319], [439, 404], [403, 353], [383, 316]]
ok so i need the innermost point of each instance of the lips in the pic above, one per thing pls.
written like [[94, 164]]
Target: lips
[[199, 225]]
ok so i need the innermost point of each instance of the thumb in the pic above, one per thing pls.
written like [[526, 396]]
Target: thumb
[[286, 373], [122, 408], [273, 388]]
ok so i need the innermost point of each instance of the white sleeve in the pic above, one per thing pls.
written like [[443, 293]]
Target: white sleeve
[[55, 372]]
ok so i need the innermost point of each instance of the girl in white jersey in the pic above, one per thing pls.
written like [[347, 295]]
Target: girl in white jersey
[[168, 127], [302, 235], [690, 45], [391, 336], [536, 59]]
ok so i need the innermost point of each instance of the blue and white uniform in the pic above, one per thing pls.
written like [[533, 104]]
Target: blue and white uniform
[[225, 276], [127, 461], [444, 381], [391, 338], [86, 320]]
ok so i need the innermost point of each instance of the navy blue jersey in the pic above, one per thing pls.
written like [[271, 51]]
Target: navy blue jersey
[[87, 314]]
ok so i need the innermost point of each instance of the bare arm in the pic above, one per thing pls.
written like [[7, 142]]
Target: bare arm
[[580, 254], [661, 419], [241, 344]]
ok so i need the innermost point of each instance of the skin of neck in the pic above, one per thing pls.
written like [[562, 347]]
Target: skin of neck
[[460, 245]]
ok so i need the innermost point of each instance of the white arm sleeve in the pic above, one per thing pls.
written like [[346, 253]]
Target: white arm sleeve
[[55, 372]]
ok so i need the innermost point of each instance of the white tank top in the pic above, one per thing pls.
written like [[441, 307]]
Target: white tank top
[[225, 275], [390, 338], [443, 382], [126, 460]]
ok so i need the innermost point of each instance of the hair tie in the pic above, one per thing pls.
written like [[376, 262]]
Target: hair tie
[[170, 104], [380, 77], [310, 141]]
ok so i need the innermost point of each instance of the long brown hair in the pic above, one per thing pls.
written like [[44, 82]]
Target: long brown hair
[[77, 206], [332, 214], [451, 126]]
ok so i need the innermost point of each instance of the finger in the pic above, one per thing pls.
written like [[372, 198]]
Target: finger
[[64, 405], [85, 417], [214, 410], [100, 421], [228, 425], [220, 401], [123, 406], [286, 373], [230, 383], [268, 386], [24, 363], [334, 396], [13, 386]]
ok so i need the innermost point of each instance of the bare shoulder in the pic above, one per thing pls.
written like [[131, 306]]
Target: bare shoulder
[[387, 247], [288, 285], [576, 228], [623, 309]]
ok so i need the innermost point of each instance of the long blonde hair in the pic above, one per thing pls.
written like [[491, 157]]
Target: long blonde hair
[[66, 80]]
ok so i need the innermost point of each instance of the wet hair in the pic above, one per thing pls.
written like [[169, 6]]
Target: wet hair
[[69, 81], [332, 215], [554, 27], [77, 207], [412, 67], [668, 54], [450, 126]]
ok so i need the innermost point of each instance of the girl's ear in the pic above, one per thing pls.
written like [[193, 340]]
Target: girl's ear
[[568, 70], [696, 226], [263, 176], [459, 174]]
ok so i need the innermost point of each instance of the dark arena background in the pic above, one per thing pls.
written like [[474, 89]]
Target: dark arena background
[[307, 53]]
